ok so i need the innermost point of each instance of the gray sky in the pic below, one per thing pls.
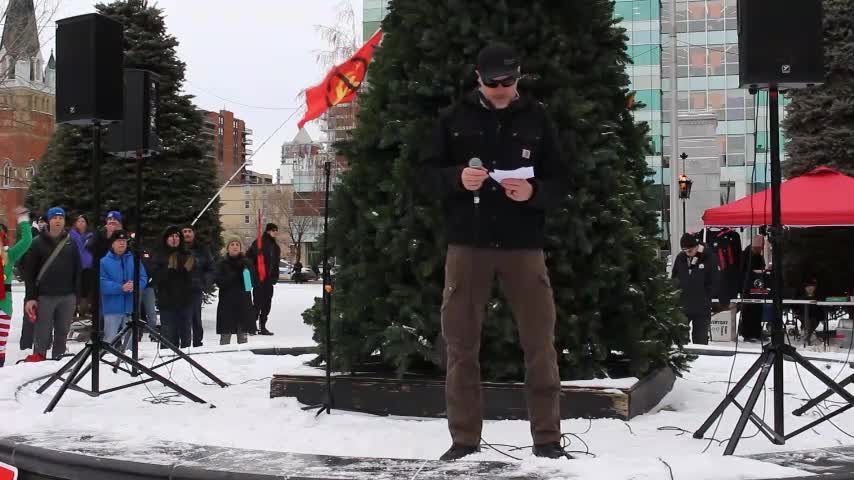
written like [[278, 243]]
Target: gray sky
[[251, 52]]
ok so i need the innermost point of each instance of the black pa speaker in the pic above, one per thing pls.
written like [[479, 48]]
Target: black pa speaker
[[137, 133], [780, 43], [89, 62]]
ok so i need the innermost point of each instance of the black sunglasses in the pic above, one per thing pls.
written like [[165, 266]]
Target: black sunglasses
[[507, 82]]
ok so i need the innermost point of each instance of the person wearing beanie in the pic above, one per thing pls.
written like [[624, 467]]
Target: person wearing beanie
[[8, 258], [116, 287], [269, 254], [99, 244], [203, 278], [173, 268], [52, 278], [696, 275], [235, 277]]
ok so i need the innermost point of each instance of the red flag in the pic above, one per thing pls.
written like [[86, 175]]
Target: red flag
[[262, 266], [342, 83]]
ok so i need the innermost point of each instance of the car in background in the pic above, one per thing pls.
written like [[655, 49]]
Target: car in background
[[843, 336]]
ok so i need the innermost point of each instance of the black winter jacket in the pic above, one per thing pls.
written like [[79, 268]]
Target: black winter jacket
[[234, 313], [203, 273], [697, 281], [272, 255], [173, 280], [98, 245], [521, 135], [62, 277]]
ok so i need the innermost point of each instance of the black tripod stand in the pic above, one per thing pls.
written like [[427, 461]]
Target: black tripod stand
[[774, 353], [96, 348], [328, 401]]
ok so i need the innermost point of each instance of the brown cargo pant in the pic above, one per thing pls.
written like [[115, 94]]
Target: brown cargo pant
[[469, 276]]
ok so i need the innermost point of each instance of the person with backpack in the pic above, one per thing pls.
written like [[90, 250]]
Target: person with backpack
[[270, 255], [52, 278]]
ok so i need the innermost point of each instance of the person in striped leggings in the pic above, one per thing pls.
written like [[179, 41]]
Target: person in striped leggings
[[8, 257]]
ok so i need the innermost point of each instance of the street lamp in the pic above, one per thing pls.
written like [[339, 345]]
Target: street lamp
[[685, 184]]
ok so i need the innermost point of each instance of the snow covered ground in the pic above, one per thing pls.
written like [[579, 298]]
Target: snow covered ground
[[246, 417]]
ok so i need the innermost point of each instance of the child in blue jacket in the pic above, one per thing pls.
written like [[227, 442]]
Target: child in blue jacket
[[117, 286]]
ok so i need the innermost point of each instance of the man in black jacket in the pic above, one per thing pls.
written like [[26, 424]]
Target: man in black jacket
[[695, 274], [203, 278], [52, 279], [496, 229], [264, 290]]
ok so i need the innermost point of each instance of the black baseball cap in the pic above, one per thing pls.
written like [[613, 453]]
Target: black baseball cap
[[497, 60]]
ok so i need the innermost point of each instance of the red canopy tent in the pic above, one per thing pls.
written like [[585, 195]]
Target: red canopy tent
[[821, 198]]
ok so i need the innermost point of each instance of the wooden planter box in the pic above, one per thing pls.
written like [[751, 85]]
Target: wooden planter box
[[501, 401]]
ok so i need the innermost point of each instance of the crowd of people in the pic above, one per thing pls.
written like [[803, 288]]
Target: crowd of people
[[57, 265]]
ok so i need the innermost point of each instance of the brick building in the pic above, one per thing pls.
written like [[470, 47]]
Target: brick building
[[27, 105], [229, 138]]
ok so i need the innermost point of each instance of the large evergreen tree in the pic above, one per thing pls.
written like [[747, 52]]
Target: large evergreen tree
[[820, 120], [177, 183], [820, 131], [616, 310]]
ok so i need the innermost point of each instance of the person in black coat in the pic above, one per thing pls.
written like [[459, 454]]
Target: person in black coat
[[695, 273], [298, 276], [815, 315], [753, 266], [172, 271], [202, 280], [235, 314], [264, 291]]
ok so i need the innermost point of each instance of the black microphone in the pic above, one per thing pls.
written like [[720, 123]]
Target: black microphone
[[476, 163]]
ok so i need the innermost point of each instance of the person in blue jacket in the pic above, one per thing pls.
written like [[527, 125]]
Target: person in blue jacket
[[117, 286]]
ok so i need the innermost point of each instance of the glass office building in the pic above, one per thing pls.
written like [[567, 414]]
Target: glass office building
[[373, 13], [707, 71]]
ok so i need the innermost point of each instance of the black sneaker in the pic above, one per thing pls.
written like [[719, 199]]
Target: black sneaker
[[457, 452], [264, 331], [550, 450]]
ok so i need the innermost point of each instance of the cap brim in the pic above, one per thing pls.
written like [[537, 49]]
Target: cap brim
[[505, 72]]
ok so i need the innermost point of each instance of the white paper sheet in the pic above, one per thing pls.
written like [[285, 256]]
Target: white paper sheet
[[523, 173]]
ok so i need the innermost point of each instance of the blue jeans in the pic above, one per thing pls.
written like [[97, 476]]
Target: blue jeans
[[113, 323], [149, 303]]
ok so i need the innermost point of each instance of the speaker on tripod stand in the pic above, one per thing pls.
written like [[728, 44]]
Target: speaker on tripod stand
[[780, 46], [93, 90]]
